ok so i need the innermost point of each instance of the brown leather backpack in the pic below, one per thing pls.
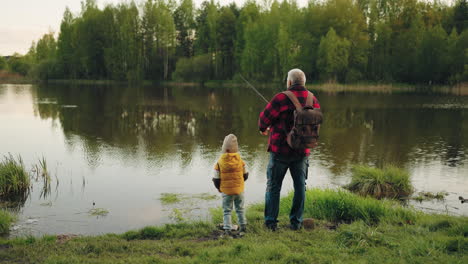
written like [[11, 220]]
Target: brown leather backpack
[[307, 120]]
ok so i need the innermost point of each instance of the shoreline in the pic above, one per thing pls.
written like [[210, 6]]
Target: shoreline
[[369, 87], [366, 230]]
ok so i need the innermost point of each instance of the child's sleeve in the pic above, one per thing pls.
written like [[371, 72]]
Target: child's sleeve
[[216, 177], [246, 171], [216, 172]]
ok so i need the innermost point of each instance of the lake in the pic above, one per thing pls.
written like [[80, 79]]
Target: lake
[[119, 148]]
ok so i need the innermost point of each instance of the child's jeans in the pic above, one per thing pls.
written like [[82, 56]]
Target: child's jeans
[[238, 201]]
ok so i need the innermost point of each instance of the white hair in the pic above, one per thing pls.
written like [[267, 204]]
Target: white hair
[[296, 76]]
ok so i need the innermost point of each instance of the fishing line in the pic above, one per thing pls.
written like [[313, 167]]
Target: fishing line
[[251, 86]]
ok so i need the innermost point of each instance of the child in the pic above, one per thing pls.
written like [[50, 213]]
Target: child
[[229, 177]]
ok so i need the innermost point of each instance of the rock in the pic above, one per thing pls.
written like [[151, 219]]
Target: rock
[[308, 223]]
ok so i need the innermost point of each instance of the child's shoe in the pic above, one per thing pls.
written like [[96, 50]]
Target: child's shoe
[[243, 228]]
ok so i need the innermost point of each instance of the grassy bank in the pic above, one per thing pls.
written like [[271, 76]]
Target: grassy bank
[[369, 87], [392, 235], [14, 179], [6, 219], [389, 182]]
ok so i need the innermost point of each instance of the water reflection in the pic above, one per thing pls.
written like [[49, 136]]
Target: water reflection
[[122, 146]]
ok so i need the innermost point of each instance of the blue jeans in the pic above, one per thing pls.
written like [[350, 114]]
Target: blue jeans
[[277, 167], [238, 201]]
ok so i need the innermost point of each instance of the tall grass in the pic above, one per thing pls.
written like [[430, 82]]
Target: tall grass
[[389, 182], [14, 179], [6, 219], [343, 206]]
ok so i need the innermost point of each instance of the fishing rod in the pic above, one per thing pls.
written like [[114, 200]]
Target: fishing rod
[[251, 86]]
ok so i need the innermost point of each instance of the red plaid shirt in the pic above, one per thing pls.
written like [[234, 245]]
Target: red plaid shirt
[[279, 116]]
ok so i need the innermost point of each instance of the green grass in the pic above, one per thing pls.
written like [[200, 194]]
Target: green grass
[[170, 198], [205, 196], [6, 219], [98, 212], [171, 231], [173, 198], [341, 206], [425, 239], [426, 196], [389, 182], [14, 179]]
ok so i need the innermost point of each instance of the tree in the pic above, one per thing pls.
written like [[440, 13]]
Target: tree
[[333, 55], [248, 14], [196, 68], [3, 63], [19, 64], [405, 51], [206, 33], [46, 48], [185, 25], [159, 33], [433, 56], [65, 49], [460, 15], [226, 33], [380, 54]]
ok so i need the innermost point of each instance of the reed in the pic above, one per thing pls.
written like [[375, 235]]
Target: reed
[[14, 179], [389, 182], [44, 174]]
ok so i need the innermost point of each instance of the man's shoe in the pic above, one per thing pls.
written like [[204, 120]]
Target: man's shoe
[[272, 227]]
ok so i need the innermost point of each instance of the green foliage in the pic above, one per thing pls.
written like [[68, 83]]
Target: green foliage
[[19, 64], [337, 40], [184, 19], [6, 219], [389, 182], [3, 63], [14, 179], [197, 68], [460, 15], [170, 198], [343, 206], [425, 196], [98, 212], [359, 235], [333, 56], [430, 238]]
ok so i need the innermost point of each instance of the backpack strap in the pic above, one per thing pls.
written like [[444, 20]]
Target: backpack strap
[[293, 99], [310, 99]]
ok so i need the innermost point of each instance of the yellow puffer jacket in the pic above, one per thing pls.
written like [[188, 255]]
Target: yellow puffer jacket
[[231, 168]]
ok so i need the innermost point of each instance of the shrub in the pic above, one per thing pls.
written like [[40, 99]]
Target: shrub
[[197, 68], [19, 64], [390, 182]]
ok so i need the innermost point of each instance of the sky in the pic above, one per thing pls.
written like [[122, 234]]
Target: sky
[[25, 21]]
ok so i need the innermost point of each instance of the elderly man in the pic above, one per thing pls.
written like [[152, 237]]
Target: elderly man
[[278, 119]]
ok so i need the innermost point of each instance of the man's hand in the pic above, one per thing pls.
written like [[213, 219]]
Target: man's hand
[[265, 133]]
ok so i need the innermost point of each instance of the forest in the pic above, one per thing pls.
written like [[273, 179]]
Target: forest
[[346, 41]]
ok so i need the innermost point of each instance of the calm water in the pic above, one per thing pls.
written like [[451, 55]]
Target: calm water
[[122, 147]]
